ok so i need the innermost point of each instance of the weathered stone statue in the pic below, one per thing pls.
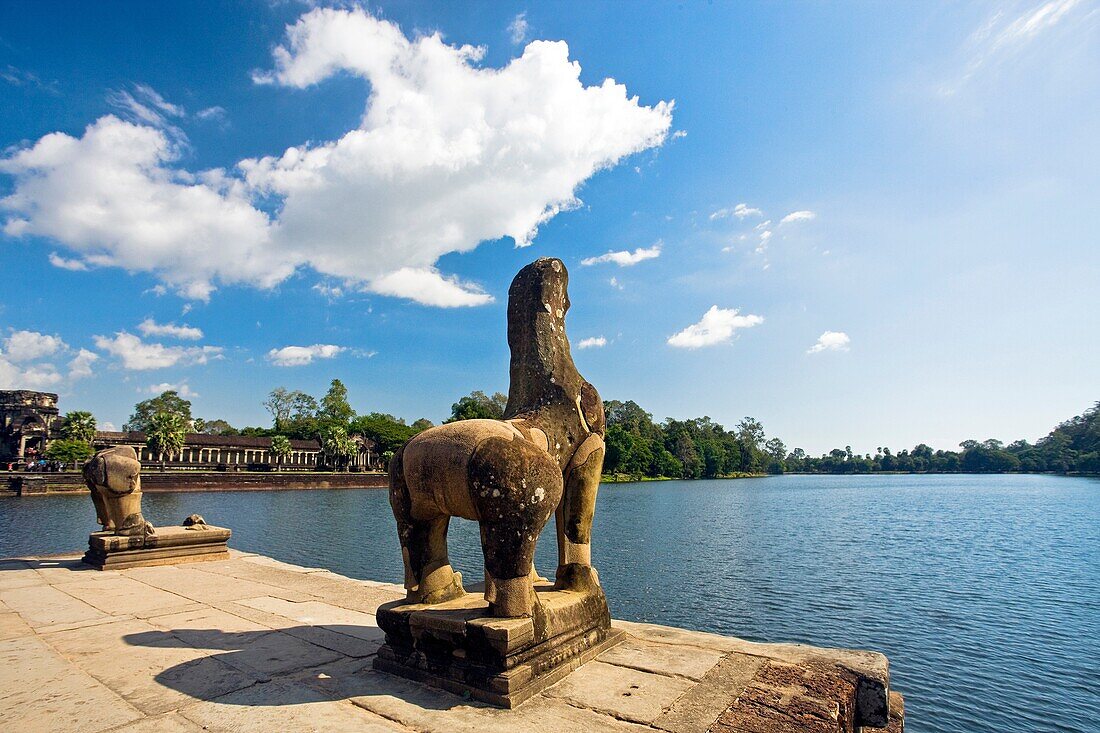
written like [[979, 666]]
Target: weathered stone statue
[[509, 475], [113, 476]]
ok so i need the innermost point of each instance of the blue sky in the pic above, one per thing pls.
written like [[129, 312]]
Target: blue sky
[[187, 190]]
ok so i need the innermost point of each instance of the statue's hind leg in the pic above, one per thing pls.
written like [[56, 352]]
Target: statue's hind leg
[[574, 516], [515, 487], [429, 577]]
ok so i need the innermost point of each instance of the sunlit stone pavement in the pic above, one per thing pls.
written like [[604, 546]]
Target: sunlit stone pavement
[[254, 644]]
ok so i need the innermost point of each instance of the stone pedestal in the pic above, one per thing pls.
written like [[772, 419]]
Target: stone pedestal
[[167, 546], [458, 647]]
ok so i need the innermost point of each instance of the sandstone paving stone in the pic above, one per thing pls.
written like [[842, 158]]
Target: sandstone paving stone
[[68, 570], [210, 628], [121, 596], [17, 574], [667, 659], [317, 613], [619, 691], [151, 669], [41, 691], [167, 723], [274, 653], [45, 606], [197, 585], [184, 607], [363, 643], [13, 627], [329, 587], [281, 706], [430, 710], [273, 563], [673, 635], [701, 706]]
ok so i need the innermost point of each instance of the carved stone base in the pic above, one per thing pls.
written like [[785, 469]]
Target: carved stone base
[[168, 546], [457, 646]]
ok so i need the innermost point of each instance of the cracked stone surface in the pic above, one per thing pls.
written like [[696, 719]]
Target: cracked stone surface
[[257, 644]]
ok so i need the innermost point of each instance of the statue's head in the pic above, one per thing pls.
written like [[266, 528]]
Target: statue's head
[[116, 469], [542, 368]]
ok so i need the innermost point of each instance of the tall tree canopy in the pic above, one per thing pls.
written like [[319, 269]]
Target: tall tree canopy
[[478, 405], [168, 402]]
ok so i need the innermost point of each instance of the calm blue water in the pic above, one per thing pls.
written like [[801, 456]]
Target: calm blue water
[[984, 591]]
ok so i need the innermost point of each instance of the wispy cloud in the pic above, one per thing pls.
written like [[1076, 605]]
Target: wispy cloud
[[149, 327], [1003, 35], [830, 341], [22, 78], [626, 258], [215, 113], [145, 105], [518, 29], [795, 216], [741, 211], [718, 325], [65, 263]]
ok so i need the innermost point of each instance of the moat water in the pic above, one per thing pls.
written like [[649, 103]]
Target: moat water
[[984, 591]]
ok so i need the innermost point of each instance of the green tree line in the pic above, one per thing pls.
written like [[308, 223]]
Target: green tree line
[[637, 447], [701, 448]]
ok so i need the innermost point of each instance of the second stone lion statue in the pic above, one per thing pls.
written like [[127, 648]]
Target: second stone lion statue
[[509, 475], [113, 476]]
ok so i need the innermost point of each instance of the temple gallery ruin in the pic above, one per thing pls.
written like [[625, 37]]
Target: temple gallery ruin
[[166, 628]]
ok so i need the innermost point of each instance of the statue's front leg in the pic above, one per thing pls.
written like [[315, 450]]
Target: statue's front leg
[[575, 513], [101, 515]]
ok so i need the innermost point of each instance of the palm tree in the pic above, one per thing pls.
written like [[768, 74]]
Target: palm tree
[[280, 448], [338, 445], [79, 425], [166, 434]]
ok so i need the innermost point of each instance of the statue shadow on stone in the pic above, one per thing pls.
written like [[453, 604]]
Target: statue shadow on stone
[[544, 458], [127, 539]]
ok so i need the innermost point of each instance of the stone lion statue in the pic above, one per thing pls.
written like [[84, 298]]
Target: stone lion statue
[[114, 477], [509, 475]]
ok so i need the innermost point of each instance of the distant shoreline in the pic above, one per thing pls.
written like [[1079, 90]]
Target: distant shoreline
[[626, 479]]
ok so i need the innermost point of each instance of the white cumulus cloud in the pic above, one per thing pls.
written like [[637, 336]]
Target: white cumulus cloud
[[65, 263], [139, 355], [149, 327], [81, 364], [28, 361], [626, 258], [110, 197], [447, 154], [592, 342], [289, 356], [798, 216], [830, 341], [30, 345], [718, 325], [32, 376], [425, 285], [183, 389]]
